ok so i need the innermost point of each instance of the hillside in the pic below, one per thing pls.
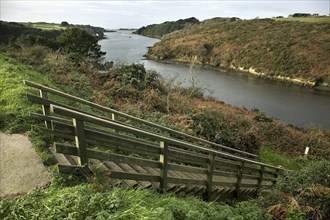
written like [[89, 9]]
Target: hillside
[[12, 30], [136, 91], [94, 198], [286, 50], [159, 30]]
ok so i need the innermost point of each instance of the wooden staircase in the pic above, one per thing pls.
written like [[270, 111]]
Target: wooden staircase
[[145, 155]]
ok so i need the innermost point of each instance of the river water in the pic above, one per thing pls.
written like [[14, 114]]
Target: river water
[[288, 103]]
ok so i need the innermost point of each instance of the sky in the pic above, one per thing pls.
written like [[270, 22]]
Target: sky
[[135, 14]]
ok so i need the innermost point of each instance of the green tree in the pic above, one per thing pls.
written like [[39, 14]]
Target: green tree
[[80, 44], [64, 23]]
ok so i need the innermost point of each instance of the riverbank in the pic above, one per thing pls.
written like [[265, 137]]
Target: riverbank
[[322, 87], [294, 52]]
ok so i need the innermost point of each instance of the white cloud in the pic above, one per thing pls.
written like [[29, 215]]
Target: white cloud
[[139, 13]]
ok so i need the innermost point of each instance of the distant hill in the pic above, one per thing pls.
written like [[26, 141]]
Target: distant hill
[[287, 50], [11, 30], [159, 30]]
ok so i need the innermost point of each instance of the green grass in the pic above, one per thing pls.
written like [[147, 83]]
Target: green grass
[[14, 107], [95, 200], [84, 202], [323, 19], [48, 27], [90, 201], [267, 155]]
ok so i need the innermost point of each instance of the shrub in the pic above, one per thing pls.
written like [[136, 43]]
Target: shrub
[[229, 130], [80, 44], [303, 194]]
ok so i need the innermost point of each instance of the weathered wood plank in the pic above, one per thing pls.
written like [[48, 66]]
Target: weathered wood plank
[[45, 108], [124, 142], [128, 169], [110, 139], [185, 181], [142, 133], [134, 176], [56, 133], [122, 159], [225, 173], [223, 183], [48, 103], [210, 169], [260, 179], [114, 167], [185, 168], [139, 169], [71, 150], [63, 127], [65, 149], [250, 177], [154, 125], [60, 158], [239, 181], [48, 118], [187, 157], [218, 162], [249, 185], [163, 160], [72, 169], [80, 141], [268, 172], [270, 179]]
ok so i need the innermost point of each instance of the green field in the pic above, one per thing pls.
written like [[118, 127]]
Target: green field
[[323, 19], [48, 26]]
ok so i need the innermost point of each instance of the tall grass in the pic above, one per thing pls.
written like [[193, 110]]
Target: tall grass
[[83, 202]]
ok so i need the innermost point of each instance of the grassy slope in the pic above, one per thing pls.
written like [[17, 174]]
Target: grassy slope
[[324, 19], [85, 202], [298, 50], [267, 155], [89, 201], [95, 200], [14, 107]]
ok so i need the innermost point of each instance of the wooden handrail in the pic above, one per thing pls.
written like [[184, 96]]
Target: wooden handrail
[[120, 127], [127, 116], [132, 146]]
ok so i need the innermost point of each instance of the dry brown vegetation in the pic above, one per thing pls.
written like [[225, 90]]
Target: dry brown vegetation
[[144, 94], [296, 50]]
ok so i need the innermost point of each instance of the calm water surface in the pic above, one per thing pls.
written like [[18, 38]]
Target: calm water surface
[[290, 104]]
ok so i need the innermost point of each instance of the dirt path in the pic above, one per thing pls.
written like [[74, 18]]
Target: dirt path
[[21, 169]]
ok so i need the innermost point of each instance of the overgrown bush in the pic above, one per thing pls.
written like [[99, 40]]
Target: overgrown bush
[[137, 76], [229, 130], [302, 194], [80, 44]]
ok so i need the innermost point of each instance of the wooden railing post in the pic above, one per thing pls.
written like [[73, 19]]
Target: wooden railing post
[[276, 175], [210, 168], [80, 141], [239, 180], [45, 109], [163, 165], [261, 175]]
